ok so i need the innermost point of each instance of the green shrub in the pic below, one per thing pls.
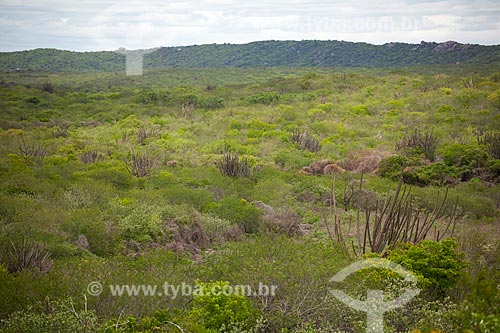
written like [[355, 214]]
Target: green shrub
[[217, 229], [211, 102], [142, 223], [216, 307], [177, 195], [263, 98], [438, 174], [437, 265], [94, 224], [412, 177], [189, 99], [327, 107], [273, 190], [11, 293], [470, 156], [425, 316], [160, 321], [480, 311], [494, 168], [392, 167], [288, 113], [51, 316], [238, 211], [160, 97], [301, 268], [115, 175], [358, 109], [476, 157], [376, 278], [292, 158]]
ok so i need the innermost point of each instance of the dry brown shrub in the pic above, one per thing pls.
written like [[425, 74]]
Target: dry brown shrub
[[332, 169], [283, 221], [315, 168], [172, 163], [187, 238], [364, 161], [321, 167], [355, 196]]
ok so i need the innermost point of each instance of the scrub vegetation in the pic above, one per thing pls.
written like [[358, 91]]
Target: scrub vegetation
[[233, 176]]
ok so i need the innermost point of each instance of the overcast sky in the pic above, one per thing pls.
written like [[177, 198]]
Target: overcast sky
[[107, 25]]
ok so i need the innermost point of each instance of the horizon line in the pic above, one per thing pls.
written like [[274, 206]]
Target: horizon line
[[252, 42]]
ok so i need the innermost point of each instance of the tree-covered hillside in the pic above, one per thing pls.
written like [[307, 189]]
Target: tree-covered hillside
[[259, 54]]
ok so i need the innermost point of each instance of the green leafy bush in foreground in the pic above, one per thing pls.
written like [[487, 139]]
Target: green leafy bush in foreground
[[437, 265], [216, 307]]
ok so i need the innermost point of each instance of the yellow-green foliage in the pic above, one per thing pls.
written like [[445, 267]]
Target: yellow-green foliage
[[215, 306], [437, 265]]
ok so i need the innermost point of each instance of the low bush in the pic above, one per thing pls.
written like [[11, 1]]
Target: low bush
[[292, 158], [159, 97], [211, 102], [215, 308], [437, 265], [238, 211], [180, 194], [461, 155], [263, 98], [494, 168], [480, 310], [439, 174], [101, 234], [392, 167], [300, 268], [219, 230], [51, 316], [12, 293], [142, 223], [116, 175]]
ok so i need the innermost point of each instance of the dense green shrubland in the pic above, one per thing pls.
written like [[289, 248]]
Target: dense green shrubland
[[186, 175]]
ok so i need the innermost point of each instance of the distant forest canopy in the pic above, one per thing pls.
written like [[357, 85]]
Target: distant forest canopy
[[307, 53]]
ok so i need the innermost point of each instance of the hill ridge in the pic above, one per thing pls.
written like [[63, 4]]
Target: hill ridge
[[287, 53]]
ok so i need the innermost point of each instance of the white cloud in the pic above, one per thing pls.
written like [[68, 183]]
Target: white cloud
[[93, 24]]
